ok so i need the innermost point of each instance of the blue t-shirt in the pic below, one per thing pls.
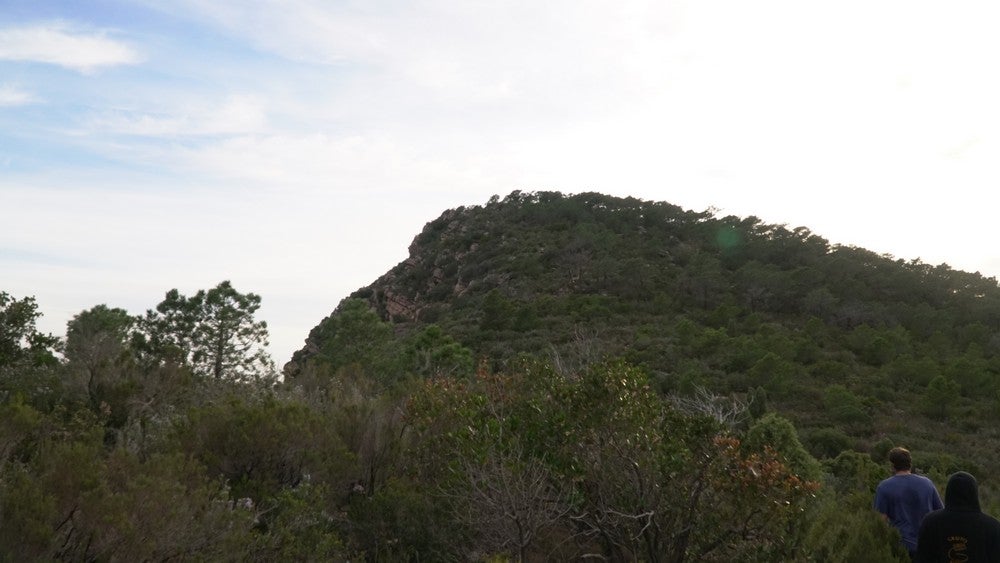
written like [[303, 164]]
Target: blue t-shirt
[[905, 499]]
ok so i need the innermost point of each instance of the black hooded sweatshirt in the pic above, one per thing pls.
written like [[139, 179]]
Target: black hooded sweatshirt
[[960, 533]]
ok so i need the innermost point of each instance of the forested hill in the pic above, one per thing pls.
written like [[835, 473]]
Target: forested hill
[[537, 270], [858, 349], [545, 378]]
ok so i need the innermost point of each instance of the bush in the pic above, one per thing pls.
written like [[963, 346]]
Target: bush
[[848, 530], [826, 443]]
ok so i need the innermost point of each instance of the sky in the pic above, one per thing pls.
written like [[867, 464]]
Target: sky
[[296, 147]]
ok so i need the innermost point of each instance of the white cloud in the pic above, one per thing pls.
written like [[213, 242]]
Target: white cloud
[[303, 30], [238, 114], [552, 56], [57, 45], [11, 95]]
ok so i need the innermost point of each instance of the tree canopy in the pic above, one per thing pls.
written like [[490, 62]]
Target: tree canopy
[[20, 341], [213, 331]]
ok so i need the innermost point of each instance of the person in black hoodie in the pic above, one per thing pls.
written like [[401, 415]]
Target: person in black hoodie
[[959, 533]]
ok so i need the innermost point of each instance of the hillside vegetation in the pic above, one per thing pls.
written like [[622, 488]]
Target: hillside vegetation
[[857, 349], [546, 377]]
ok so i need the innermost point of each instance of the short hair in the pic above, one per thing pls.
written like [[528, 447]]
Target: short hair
[[900, 459]]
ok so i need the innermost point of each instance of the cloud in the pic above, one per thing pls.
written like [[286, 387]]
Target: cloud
[[303, 30], [521, 55], [11, 96], [239, 114], [57, 45]]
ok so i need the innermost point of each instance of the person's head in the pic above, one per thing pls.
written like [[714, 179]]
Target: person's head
[[900, 459], [962, 493]]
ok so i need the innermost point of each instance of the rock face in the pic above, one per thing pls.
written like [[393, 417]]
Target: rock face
[[400, 307], [427, 276]]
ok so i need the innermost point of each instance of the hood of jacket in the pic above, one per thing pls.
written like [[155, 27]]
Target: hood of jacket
[[962, 493]]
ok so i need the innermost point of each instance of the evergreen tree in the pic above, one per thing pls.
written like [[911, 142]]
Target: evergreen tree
[[20, 341], [213, 332]]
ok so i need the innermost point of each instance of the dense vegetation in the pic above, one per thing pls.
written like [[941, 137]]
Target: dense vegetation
[[857, 349], [546, 377]]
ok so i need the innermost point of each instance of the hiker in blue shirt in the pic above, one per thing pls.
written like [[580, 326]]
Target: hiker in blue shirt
[[905, 498]]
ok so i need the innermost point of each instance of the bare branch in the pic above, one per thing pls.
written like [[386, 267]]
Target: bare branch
[[729, 410]]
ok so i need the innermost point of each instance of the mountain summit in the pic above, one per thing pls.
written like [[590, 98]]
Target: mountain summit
[[844, 341]]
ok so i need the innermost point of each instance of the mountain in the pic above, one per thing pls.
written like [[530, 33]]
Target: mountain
[[859, 349], [546, 377]]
